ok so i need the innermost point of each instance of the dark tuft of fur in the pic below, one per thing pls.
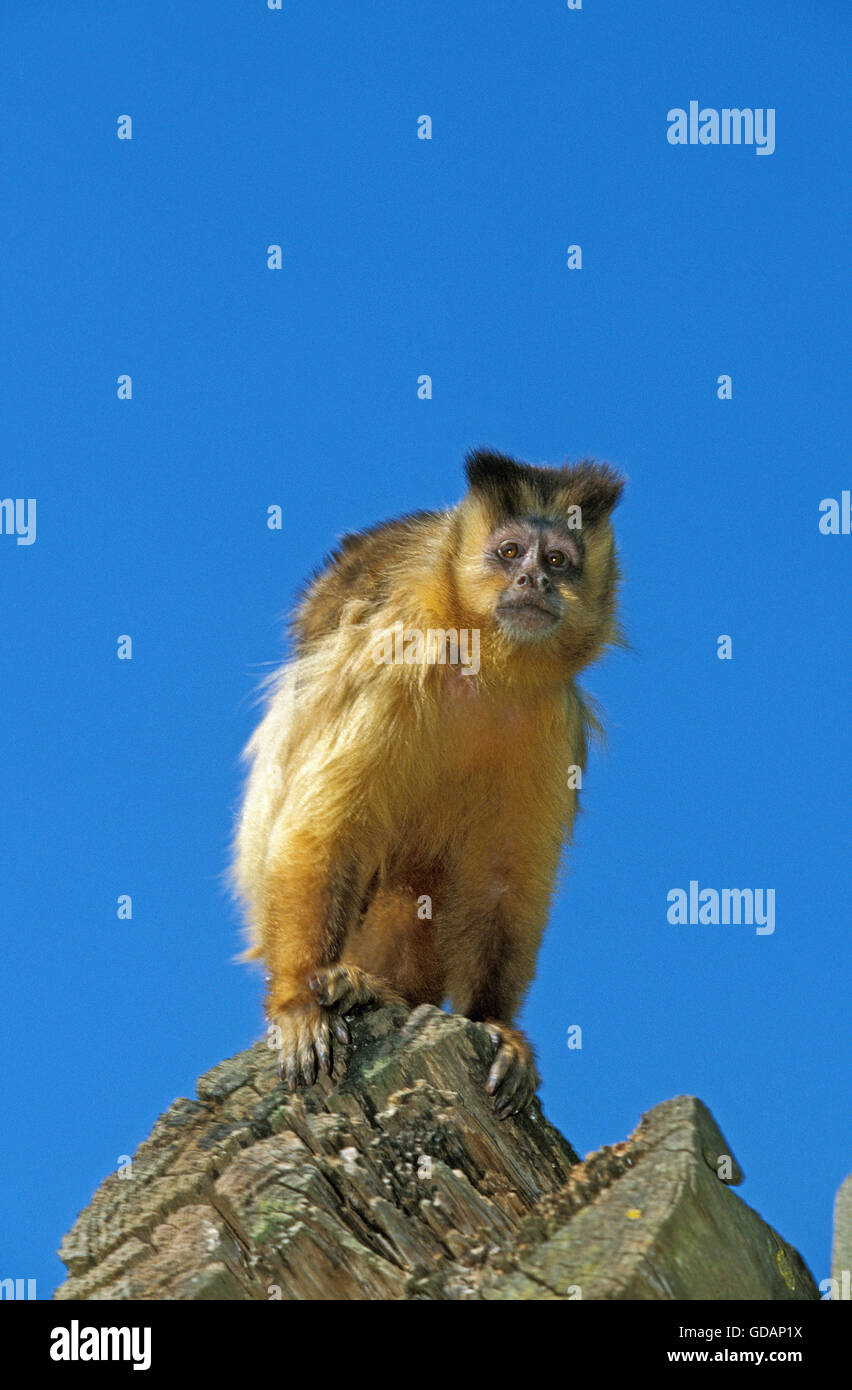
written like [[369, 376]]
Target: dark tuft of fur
[[502, 481], [361, 565]]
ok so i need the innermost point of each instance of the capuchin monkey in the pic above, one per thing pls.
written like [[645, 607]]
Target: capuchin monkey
[[414, 777]]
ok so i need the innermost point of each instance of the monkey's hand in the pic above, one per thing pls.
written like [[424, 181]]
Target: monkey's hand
[[347, 987], [513, 1079], [303, 1036], [304, 1032]]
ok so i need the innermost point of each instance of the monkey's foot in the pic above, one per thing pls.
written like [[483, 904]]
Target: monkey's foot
[[347, 987], [303, 1037], [513, 1079]]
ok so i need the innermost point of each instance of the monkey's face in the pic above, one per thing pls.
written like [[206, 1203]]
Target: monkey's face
[[540, 585], [536, 562]]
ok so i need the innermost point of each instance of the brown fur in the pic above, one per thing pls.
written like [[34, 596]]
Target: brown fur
[[374, 786]]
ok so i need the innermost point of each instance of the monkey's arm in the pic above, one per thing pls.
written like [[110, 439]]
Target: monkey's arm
[[308, 844], [315, 883], [312, 893]]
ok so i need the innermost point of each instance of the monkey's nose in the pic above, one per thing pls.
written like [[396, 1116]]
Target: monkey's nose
[[535, 581]]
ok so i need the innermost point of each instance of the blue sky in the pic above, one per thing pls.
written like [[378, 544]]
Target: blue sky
[[298, 387]]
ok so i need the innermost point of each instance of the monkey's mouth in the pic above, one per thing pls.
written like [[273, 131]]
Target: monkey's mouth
[[528, 613]]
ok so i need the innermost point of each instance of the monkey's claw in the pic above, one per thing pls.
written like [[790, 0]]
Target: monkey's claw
[[513, 1079], [346, 987], [303, 1037]]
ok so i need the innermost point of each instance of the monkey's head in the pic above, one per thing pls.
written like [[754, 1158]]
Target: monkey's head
[[537, 554]]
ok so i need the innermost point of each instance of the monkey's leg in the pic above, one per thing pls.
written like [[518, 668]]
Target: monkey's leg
[[490, 994], [498, 921], [396, 950], [346, 987]]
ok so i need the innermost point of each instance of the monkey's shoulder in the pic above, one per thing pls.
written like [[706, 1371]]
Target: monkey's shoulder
[[363, 566]]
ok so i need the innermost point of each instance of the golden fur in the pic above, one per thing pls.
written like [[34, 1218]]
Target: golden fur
[[375, 786]]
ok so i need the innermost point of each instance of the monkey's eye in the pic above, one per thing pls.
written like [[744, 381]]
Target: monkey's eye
[[556, 559], [509, 550]]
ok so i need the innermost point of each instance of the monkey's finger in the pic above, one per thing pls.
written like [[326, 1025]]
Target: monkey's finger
[[323, 1048], [308, 1061], [515, 1094], [309, 1031], [496, 1038], [341, 1030], [499, 1069], [512, 1083], [289, 1068], [322, 1043]]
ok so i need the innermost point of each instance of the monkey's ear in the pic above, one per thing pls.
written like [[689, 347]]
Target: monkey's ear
[[596, 487]]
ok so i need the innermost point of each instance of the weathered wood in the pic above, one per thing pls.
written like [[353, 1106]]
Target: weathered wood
[[397, 1181]]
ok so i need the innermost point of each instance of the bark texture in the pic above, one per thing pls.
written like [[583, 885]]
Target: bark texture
[[397, 1181]]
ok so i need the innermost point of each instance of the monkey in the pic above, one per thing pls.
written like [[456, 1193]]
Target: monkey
[[404, 813]]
